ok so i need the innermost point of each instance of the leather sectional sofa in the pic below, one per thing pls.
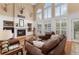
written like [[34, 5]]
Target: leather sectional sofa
[[55, 46]]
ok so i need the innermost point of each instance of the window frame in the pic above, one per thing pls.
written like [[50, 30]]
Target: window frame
[[38, 13], [47, 8], [61, 9], [60, 28]]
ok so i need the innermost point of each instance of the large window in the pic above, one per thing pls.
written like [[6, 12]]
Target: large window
[[47, 10], [60, 9], [39, 26], [61, 27], [48, 27], [39, 14], [57, 27]]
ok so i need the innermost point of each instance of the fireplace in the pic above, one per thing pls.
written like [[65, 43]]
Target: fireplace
[[21, 32]]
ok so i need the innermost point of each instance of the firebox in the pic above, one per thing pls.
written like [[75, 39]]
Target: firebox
[[21, 32]]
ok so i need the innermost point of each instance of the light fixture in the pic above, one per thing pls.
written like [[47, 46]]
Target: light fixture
[[5, 35]]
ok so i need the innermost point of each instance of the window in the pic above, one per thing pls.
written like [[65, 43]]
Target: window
[[47, 11], [47, 5], [60, 9], [64, 9], [58, 28], [61, 27], [57, 11], [45, 14], [47, 27], [76, 30], [39, 14], [39, 26]]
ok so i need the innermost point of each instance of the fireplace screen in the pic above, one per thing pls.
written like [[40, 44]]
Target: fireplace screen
[[21, 32]]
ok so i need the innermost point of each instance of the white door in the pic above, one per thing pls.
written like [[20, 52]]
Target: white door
[[75, 29]]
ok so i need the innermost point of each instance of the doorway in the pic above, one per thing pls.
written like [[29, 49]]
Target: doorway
[[75, 28]]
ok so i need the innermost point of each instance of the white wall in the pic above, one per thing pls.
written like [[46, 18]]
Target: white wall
[[71, 18], [1, 23]]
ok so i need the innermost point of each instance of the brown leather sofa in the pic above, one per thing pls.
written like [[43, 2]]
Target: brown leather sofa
[[46, 36], [13, 41], [55, 46]]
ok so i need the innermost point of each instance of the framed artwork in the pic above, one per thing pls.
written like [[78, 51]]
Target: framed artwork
[[21, 22], [29, 27]]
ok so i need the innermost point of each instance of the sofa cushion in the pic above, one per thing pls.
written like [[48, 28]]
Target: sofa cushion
[[50, 44], [32, 49], [54, 37], [62, 37], [13, 41], [38, 44]]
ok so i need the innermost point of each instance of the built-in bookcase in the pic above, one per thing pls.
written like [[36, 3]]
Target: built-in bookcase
[[8, 25]]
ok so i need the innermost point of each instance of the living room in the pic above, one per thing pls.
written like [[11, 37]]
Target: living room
[[39, 28]]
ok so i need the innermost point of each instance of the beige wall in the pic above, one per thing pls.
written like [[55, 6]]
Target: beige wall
[[73, 7], [27, 11], [9, 10], [39, 6]]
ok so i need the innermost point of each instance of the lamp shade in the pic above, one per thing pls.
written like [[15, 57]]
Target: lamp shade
[[5, 34]]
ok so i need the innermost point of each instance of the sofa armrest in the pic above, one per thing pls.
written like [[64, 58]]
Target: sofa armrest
[[13, 41], [32, 49], [60, 49]]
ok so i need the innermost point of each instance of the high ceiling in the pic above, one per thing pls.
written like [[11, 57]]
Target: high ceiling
[[33, 3]]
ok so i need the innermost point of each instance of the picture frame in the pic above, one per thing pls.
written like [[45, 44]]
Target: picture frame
[[21, 22], [29, 27]]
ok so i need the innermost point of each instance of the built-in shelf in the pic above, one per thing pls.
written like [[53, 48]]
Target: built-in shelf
[[8, 25]]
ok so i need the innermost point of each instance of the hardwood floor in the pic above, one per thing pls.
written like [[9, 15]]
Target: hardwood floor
[[68, 47]]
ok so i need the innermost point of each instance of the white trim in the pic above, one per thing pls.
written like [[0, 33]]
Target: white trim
[[74, 20]]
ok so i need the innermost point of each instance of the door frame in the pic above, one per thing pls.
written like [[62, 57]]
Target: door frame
[[74, 20]]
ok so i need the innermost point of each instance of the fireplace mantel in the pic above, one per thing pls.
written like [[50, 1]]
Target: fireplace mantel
[[20, 28]]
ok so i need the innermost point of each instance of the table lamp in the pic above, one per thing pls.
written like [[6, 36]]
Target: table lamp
[[5, 35]]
